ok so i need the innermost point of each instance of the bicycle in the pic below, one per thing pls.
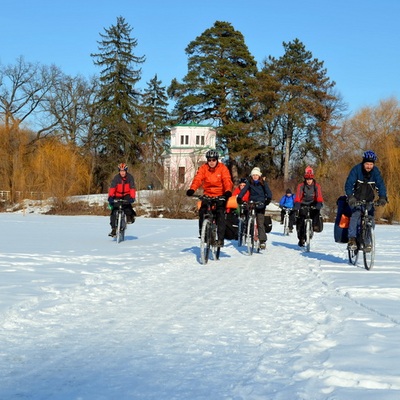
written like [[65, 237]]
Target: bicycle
[[120, 220], [243, 211], [252, 241], [365, 237], [286, 218], [308, 226], [209, 236]]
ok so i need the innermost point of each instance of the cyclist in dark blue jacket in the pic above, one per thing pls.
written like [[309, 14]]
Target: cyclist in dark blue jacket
[[259, 193], [363, 182]]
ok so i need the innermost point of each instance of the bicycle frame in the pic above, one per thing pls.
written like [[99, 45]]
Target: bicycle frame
[[209, 236], [365, 238], [308, 227], [120, 219], [286, 221], [243, 213], [252, 240]]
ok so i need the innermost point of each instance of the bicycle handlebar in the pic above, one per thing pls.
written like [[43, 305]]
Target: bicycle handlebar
[[210, 198]]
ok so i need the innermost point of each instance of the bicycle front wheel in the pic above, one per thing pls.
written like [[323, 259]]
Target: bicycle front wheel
[[241, 232], [205, 241], [286, 225], [120, 230], [369, 248], [308, 234], [250, 236]]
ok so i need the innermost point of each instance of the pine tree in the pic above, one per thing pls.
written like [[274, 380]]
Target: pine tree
[[156, 119], [303, 105], [119, 131], [216, 87]]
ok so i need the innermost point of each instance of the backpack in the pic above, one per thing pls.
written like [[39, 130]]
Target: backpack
[[342, 220]]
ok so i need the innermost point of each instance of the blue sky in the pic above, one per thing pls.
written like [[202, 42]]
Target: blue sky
[[358, 40]]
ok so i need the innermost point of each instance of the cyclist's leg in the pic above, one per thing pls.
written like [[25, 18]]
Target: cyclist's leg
[[261, 227], [300, 227], [202, 211], [292, 218], [354, 222]]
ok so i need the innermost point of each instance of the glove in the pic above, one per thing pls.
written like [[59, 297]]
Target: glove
[[111, 200], [351, 200], [239, 200], [297, 206], [131, 200], [190, 192], [227, 194], [318, 206], [382, 201], [267, 201]]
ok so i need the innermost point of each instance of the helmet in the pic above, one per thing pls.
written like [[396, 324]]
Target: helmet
[[212, 154], [242, 180], [122, 167], [309, 173], [369, 156]]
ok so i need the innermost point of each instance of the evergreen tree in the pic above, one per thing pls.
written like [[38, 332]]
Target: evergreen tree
[[216, 87], [303, 107], [156, 118], [119, 132]]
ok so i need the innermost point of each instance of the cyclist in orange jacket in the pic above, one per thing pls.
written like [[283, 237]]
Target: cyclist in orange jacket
[[215, 179]]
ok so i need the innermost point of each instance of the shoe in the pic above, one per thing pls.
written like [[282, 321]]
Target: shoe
[[352, 244], [113, 233], [220, 243], [262, 245], [367, 248], [290, 230], [301, 243]]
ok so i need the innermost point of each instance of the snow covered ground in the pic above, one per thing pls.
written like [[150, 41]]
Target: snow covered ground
[[84, 318]]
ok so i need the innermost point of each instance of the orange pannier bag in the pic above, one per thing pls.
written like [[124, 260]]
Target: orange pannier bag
[[344, 221], [232, 202]]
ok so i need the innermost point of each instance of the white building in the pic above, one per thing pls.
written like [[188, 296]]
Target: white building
[[189, 144]]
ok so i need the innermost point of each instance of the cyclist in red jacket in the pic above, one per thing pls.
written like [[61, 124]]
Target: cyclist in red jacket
[[308, 193], [122, 187]]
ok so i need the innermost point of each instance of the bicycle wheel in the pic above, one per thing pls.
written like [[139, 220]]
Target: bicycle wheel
[[241, 232], [250, 236], [353, 256], [215, 249], [286, 224], [308, 234], [369, 247], [119, 231], [205, 241]]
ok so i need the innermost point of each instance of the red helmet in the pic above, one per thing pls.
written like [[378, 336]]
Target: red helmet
[[122, 167], [309, 173]]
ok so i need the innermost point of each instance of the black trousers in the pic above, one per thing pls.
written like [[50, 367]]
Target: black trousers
[[220, 218], [128, 210], [300, 224]]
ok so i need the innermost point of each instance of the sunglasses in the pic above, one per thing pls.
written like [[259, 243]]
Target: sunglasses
[[211, 159]]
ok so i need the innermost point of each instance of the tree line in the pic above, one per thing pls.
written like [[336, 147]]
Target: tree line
[[65, 135]]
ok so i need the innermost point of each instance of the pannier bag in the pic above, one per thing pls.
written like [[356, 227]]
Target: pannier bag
[[268, 223], [342, 220], [232, 226]]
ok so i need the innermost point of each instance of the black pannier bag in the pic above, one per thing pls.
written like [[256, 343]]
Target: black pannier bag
[[342, 220], [232, 225], [268, 223]]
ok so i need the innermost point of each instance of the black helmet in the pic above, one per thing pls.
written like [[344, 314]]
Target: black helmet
[[212, 154]]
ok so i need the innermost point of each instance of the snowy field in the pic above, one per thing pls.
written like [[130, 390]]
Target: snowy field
[[84, 318]]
